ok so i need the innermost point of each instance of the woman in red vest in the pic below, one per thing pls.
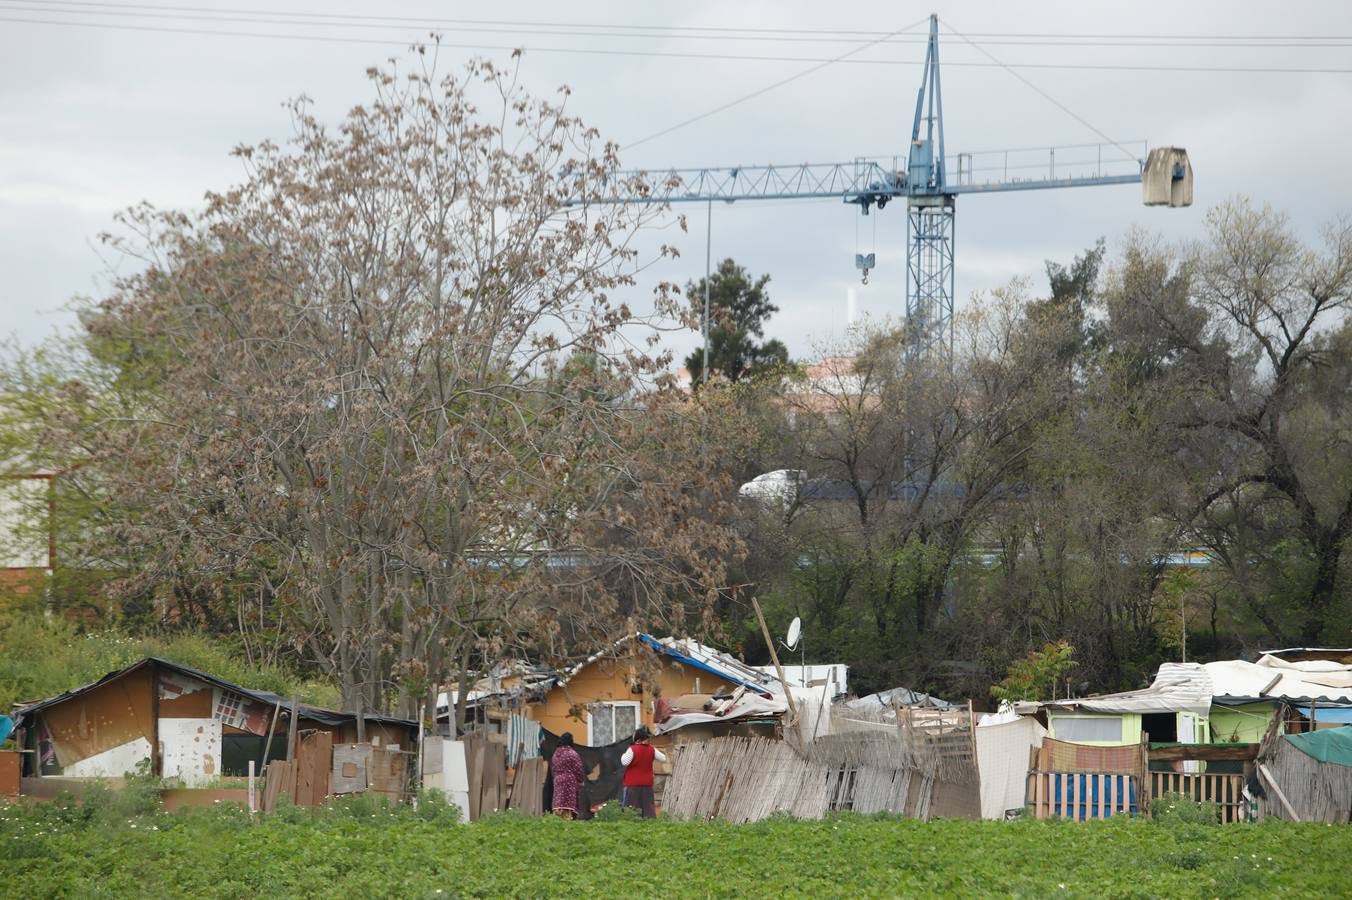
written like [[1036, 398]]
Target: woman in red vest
[[638, 774]]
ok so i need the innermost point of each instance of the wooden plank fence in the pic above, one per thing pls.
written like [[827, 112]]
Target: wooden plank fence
[[1081, 795], [1226, 791]]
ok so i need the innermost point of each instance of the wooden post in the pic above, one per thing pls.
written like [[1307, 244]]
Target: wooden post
[[291, 729], [253, 806], [156, 758], [267, 742], [817, 724], [971, 731], [1144, 794], [1272, 783], [774, 658], [422, 720]]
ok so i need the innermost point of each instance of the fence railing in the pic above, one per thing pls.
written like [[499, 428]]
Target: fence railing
[[1226, 791]]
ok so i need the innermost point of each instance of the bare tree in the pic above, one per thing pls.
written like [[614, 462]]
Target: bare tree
[[391, 382]]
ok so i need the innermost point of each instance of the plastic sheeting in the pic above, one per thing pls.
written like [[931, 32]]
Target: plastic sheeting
[[1332, 745], [604, 762], [888, 701], [1322, 714], [1002, 752], [1272, 678], [748, 706], [523, 739]]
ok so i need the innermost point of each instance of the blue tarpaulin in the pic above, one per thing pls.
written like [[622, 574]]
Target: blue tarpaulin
[[1328, 714], [1081, 794]]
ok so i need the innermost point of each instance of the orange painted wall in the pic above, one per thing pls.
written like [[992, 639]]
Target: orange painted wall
[[610, 680]]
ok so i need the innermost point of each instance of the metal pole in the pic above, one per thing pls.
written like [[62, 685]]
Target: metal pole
[[1183, 618], [708, 261]]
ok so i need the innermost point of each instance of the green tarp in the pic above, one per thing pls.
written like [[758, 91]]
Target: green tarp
[[1331, 745]]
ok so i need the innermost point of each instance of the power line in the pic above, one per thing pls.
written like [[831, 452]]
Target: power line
[[331, 20], [843, 34], [660, 54], [770, 87]]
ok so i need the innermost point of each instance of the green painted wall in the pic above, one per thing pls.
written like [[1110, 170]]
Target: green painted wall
[[1246, 724]]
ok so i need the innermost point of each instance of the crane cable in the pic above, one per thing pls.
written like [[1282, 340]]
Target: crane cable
[[1046, 96], [770, 87]]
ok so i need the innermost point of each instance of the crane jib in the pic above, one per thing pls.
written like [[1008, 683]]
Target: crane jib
[[930, 184]]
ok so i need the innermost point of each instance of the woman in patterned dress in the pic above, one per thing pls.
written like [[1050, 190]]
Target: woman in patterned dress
[[568, 773]]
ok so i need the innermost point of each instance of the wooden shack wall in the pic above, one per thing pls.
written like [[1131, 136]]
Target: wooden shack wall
[[106, 717], [197, 705]]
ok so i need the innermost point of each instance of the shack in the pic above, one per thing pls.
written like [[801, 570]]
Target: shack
[[1195, 730], [1306, 777], [167, 719], [643, 680], [1174, 708]]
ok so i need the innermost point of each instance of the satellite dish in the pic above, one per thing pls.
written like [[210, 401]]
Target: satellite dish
[[795, 631]]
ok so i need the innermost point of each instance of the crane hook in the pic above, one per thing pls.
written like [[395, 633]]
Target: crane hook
[[863, 262]]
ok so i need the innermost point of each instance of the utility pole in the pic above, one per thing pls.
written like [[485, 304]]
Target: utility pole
[[1183, 617], [708, 260]]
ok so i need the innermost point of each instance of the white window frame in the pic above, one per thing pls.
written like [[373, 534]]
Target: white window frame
[[610, 705]]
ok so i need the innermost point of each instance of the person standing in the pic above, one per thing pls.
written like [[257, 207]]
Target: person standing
[[638, 774], [565, 768]]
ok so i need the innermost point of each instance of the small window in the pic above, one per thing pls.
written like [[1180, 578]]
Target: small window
[[611, 722], [1086, 728], [229, 708]]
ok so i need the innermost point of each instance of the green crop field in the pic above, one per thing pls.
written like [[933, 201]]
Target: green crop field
[[70, 850]]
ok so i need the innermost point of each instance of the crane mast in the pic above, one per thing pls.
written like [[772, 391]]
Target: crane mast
[[922, 177]]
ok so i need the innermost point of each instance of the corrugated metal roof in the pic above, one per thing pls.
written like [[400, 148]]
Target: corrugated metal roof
[[715, 662], [1178, 687]]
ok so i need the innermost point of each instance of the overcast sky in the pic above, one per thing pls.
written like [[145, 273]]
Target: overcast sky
[[93, 119]]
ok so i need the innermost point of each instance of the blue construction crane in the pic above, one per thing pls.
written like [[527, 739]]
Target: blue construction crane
[[930, 192]]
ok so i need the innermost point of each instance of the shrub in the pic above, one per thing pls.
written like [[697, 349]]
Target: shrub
[[1180, 809], [41, 656], [434, 807], [613, 812]]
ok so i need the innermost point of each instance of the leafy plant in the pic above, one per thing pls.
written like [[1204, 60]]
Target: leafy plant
[[613, 812], [1035, 676], [1180, 809], [355, 848]]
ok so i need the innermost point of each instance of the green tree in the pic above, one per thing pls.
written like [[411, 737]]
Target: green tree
[[1035, 676], [739, 307]]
